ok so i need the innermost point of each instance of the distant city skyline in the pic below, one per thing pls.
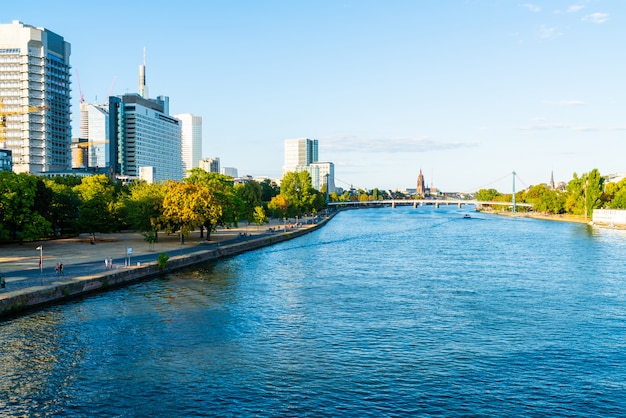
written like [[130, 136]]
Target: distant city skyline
[[467, 91]]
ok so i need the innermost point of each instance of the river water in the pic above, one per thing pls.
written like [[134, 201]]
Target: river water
[[382, 312]]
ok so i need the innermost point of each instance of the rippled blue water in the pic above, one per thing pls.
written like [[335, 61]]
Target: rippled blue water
[[383, 312]]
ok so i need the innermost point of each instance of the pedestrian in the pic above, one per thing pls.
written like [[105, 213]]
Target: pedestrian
[[56, 269], [106, 263], [61, 269], [2, 283]]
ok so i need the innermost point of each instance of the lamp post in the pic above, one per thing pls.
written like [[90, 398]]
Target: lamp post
[[40, 248]]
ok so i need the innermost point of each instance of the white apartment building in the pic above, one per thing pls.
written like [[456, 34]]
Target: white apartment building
[[191, 131], [35, 90]]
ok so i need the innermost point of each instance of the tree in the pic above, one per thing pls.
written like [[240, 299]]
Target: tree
[[545, 199], [269, 190], [487, 195], [18, 217], [279, 206], [187, 206], [96, 194], [63, 211], [143, 208], [231, 207], [616, 194], [585, 193], [259, 216], [296, 187], [250, 195]]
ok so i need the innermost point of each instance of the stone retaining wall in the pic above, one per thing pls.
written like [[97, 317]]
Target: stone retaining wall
[[19, 301]]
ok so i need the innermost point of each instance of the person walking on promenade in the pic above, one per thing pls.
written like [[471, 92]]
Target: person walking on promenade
[[61, 269], [106, 263], [56, 269]]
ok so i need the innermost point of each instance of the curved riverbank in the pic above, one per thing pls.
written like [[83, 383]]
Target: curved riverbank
[[61, 289]]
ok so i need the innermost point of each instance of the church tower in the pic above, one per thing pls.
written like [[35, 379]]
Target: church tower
[[420, 190]]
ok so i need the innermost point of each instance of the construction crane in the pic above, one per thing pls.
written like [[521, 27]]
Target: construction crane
[[6, 114]]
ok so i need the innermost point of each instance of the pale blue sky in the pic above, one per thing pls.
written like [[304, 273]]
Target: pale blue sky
[[467, 91]]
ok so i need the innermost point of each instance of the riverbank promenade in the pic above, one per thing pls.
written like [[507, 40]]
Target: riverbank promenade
[[118, 258]]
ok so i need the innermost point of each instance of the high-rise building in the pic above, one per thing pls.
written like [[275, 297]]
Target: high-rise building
[[35, 92], [94, 137], [322, 173], [229, 171], [302, 155], [145, 135], [299, 152], [191, 141], [210, 165]]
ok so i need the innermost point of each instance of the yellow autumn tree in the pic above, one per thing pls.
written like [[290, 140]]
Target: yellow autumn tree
[[186, 206]]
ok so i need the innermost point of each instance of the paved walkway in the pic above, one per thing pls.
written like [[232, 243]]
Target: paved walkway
[[19, 264]]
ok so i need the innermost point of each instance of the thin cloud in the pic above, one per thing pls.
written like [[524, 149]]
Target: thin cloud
[[546, 32], [390, 145], [532, 7], [565, 102], [597, 17], [585, 129], [542, 127], [575, 8]]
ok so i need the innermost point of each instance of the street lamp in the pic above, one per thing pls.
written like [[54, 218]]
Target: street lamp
[[40, 248]]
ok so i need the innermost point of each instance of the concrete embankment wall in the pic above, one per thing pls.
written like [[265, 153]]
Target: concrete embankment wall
[[609, 216], [19, 301]]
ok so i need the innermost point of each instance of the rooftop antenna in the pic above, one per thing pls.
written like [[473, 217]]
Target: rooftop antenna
[[143, 89]]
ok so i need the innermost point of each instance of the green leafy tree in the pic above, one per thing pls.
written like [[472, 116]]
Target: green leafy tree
[[231, 207], [270, 189], [487, 195], [299, 192], [63, 211], [259, 217], [18, 217], [250, 195], [143, 208], [96, 194], [585, 193], [616, 194], [544, 199]]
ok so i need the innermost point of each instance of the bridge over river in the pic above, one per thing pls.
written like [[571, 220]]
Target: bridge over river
[[421, 202]]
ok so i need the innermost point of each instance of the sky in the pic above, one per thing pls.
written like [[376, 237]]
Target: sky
[[467, 91]]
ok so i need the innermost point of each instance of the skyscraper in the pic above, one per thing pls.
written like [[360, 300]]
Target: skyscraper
[[35, 97], [145, 135], [94, 132], [210, 165], [302, 155], [191, 141], [299, 152]]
